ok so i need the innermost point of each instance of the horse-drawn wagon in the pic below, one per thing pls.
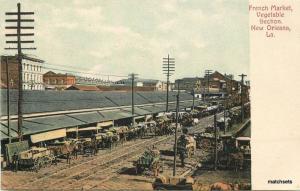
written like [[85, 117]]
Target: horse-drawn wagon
[[64, 148], [150, 160], [35, 158]]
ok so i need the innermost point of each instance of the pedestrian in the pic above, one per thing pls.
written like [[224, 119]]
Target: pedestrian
[[181, 155], [68, 158], [95, 148], [15, 159]]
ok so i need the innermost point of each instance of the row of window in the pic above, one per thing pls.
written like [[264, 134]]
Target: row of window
[[33, 87], [55, 81], [32, 67], [59, 81], [34, 77]]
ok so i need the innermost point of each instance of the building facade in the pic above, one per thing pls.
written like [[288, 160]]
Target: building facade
[[57, 81], [32, 74], [216, 84], [92, 81], [32, 70], [220, 83], [188, 84], [156, 85]]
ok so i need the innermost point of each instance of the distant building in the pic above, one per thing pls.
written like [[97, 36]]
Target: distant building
[[57, 81], [188, 84], [83, 88], [219, 85], [156, 85], [92, 81], [31, 74], [108, 88]]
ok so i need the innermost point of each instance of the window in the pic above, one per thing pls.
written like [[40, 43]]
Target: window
[[27, 76], [30, 76]]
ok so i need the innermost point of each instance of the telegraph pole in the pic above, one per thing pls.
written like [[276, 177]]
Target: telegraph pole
[[216, 141], [19, 43], [176, 126], [207, 74], [7, 100], [168, 69], [242, 95], [224, 116], [132, 77]]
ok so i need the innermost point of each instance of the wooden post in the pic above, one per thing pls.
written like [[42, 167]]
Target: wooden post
[[216, 141]]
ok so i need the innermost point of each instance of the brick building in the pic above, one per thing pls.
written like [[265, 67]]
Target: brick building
[[13, 72], [220, 83], [31, 74], [57, 81]]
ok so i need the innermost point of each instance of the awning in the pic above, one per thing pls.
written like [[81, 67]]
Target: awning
[[62, 121], [88, 129], [105, 123], [243, 138], [48, 135]]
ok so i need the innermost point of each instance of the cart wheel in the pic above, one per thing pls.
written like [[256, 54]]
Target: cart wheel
[[48, 161], [43, 162], [36, 164]]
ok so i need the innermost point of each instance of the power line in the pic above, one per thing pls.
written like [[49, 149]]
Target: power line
[[86, 73], [79, 68]]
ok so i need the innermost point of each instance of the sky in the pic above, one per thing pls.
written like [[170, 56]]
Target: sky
[[124, 36]]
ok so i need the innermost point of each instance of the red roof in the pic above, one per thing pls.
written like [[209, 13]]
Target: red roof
[[83, 88]]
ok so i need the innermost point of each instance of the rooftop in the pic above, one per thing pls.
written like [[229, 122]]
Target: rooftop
[[51, 101]]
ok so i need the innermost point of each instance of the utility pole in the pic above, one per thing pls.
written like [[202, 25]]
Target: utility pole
[[7, 100], [224, 116], [193, 93], [242, 95], [19, 43], [216, 141], [168, 69], [207, 74], [176, 126], [231, 88], [132, 77]]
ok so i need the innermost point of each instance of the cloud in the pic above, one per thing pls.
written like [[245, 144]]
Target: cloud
[[119, 37]]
